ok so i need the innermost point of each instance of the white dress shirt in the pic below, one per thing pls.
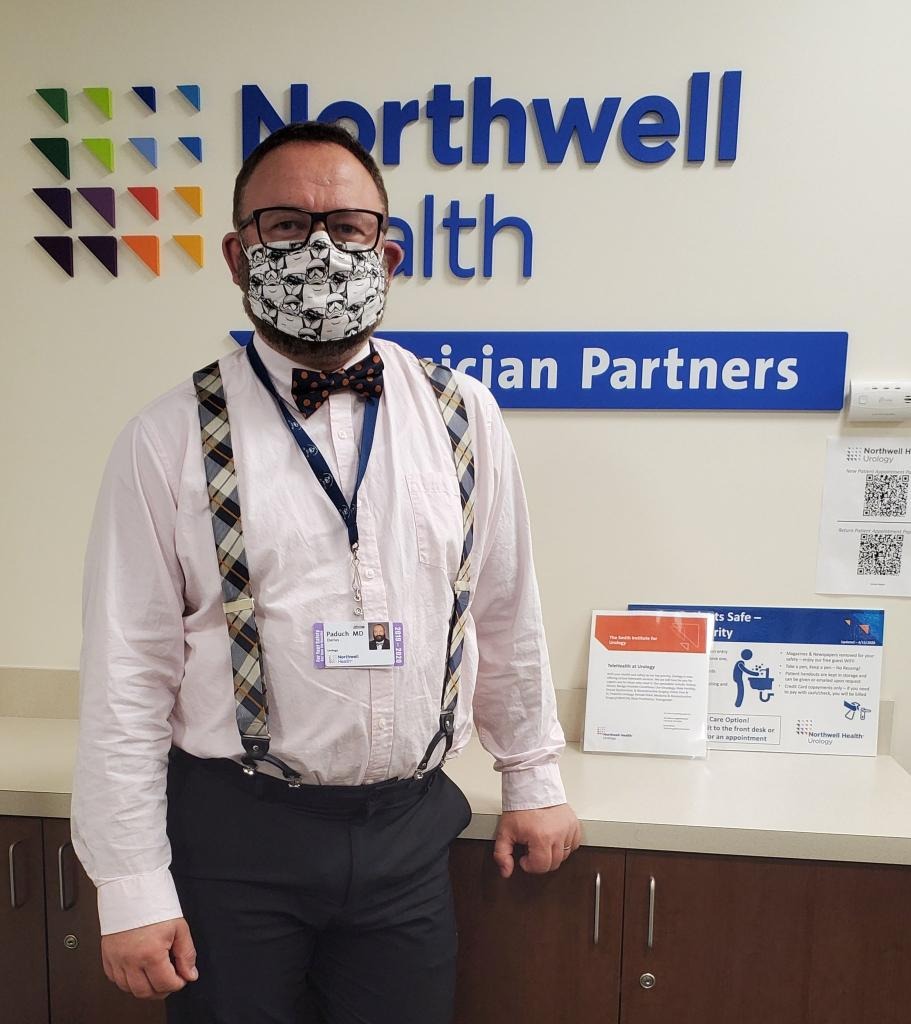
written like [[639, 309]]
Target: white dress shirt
[[156, 662]]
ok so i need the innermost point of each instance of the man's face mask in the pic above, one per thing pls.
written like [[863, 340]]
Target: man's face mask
[[336, 294]]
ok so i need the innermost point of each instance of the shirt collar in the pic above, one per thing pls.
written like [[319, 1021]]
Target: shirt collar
[[281, 367]]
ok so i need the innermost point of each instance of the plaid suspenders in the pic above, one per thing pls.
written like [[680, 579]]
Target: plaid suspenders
[[456, 419], [237, 597]]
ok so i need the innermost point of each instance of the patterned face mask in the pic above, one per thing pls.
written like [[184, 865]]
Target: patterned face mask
[[316, 292]]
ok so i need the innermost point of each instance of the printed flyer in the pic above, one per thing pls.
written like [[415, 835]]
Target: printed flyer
[[648, 683], [793, 680]]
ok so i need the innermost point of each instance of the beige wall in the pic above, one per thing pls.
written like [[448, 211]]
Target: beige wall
[[807, 230]]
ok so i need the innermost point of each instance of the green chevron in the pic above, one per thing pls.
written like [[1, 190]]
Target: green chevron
[[102, 98], [102, 150], [57, 151], [56, 99]]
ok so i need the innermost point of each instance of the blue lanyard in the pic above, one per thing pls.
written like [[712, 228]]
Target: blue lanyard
[[321, 470]]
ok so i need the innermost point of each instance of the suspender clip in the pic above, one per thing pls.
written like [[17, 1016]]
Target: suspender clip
[[257, 748], [445, 733]]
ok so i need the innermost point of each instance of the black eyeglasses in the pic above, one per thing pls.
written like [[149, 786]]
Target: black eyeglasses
[[287, 227]]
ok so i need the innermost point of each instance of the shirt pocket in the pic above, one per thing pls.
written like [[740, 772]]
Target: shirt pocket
[[437, 512]]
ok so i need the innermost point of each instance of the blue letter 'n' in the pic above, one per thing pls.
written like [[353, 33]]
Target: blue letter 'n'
[[256, 113]]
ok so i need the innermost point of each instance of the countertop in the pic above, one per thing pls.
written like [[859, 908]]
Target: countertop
[[820, 807]]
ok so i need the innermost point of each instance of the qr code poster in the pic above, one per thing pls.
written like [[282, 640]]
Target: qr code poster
[[865, 531]]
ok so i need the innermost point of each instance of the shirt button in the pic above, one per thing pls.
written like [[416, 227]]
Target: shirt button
[[343, 434], [370, 573]]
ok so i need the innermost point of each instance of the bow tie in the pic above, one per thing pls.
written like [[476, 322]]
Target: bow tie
[[311, 388]]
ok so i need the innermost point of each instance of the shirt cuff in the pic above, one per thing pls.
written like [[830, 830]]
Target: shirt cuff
[[528, 788], [137, 900]]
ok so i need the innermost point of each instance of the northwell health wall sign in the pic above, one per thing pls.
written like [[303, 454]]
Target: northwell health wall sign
[[459, 132], [543, 369]]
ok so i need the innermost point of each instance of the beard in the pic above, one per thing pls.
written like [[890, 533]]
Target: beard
[[320, 355]]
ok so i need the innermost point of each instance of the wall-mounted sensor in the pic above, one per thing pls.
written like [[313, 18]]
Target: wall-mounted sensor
[[875, 400]]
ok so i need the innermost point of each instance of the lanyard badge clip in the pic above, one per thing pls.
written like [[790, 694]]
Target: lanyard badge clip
[[356, 585]]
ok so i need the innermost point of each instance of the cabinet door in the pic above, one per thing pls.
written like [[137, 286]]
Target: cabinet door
[[752, 941], [541, 949], [80, 993], [23, 965]]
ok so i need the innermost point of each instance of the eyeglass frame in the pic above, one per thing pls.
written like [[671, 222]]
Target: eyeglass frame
[[382, 222]]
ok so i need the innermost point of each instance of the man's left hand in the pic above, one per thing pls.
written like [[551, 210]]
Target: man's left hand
[[550, 834]]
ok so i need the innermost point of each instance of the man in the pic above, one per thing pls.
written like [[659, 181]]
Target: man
[[379, 641], [245, 521]]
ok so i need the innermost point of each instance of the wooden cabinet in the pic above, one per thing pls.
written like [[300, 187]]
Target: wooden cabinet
[[701, 939], [754, 940], [521, 939], [50, 967], [80, 993], [23, 975], [613, 937]]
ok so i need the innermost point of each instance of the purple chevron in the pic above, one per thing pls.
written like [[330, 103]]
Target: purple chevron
[[104, 249], [59, 248], [101, 200], [59, 201]]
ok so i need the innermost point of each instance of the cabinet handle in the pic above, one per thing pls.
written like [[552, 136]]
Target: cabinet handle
[[651, 911], [597, 907], [65, 904], [13, 893]]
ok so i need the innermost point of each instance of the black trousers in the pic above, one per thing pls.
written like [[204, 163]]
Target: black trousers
[[327, 904]]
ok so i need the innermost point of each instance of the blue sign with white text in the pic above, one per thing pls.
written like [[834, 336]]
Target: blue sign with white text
[[841, 627], [769, 370]]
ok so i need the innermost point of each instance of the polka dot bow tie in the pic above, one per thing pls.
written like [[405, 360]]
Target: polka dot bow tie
[[311, 388]]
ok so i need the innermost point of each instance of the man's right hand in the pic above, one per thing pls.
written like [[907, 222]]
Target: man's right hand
[[150, 962]]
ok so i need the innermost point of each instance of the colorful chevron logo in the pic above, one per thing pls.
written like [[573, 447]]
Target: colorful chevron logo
[[58, 146]]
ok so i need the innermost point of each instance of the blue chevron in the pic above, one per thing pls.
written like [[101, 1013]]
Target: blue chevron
[[147, 94], [148, 148], [192, 94], [193, 144]]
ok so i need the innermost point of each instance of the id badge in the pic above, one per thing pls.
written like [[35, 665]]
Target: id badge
[[358, 644]]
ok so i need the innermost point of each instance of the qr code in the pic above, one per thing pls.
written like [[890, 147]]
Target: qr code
[[886, 495], [880, 554]]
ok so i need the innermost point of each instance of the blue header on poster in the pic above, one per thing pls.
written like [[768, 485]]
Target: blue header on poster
[[770, 370], [839, 627]]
